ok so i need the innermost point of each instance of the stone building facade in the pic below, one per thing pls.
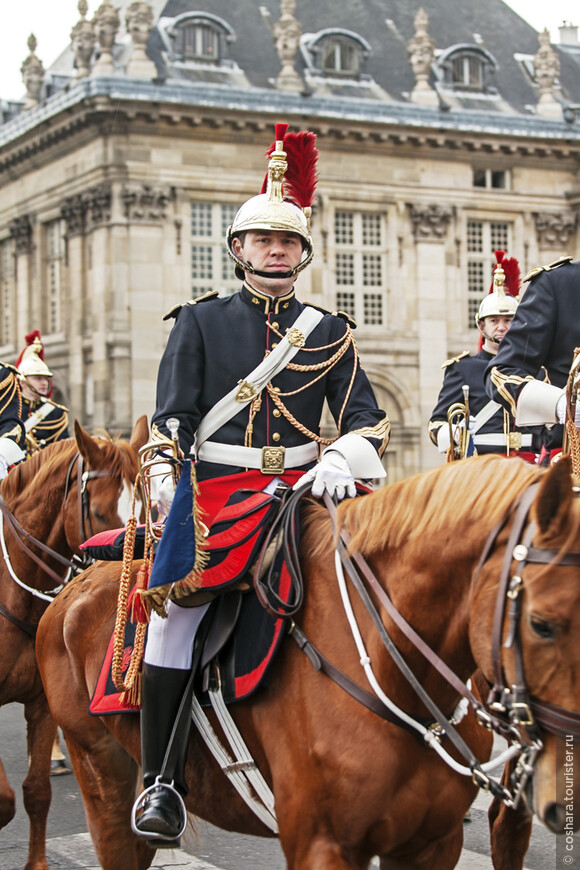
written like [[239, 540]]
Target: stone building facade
[[443, 133]]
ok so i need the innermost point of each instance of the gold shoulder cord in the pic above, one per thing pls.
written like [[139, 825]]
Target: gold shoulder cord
[[323, 368], [501, 381], [8, 387]]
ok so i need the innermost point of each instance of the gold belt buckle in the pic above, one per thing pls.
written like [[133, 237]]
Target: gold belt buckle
[[273, 460], [515, 440]]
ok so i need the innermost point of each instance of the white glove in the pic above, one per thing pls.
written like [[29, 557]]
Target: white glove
[[163, 487], [561, 405], [10, 454], [332, 473], [443, 438]]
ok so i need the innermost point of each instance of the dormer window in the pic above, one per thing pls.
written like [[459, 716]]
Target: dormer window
[[198, 38], [336, 52], [197, 41], [340, 57], [467, 69]]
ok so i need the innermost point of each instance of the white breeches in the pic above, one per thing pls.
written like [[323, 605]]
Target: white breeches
[[170, 641]]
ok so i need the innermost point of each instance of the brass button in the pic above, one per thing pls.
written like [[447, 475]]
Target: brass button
[[276, 389], [276, 436], [275, 325], [274, 344], [277, 412]]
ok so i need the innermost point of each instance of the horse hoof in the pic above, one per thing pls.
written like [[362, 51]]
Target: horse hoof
[[58, 767], [467, 816]]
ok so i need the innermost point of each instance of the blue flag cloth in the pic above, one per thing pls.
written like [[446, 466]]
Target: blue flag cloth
[[179, 558]]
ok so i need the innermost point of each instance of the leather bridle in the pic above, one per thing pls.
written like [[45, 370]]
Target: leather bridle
[[31, 545]]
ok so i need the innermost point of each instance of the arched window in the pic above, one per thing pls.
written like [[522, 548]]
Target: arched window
[[339, 57], [336, 52], [197, 41], [197, 37], [467, 68]]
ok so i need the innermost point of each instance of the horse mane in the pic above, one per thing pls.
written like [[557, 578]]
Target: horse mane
[[480, 489], [45, 466]]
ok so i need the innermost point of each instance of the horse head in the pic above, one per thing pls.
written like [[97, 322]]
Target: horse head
[[105, 471], [549, 631], [533, 612]]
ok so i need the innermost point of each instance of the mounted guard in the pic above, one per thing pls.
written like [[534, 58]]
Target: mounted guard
[[245, 420], [44, 420]]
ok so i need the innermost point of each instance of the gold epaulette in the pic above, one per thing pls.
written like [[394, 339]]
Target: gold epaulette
[[454, 359], [10, 368], [173, 312], [539, 269], [342, 314]]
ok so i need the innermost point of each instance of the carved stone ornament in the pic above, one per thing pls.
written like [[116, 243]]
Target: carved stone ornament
[[106, 23], [139, 19], [32, 74], [554, 230], [74, 211], [98, 202], [142, 202], [430, 221], [287, 32], [421, 49], [546, 71], [21, 233], [83, 41]]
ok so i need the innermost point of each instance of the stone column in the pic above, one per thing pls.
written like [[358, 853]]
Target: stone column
[[547, 70], [149, 247], [106, 23], [421, 49], [74, 211], [430, 225], [32, 74], [21, 232], [286, 33], [83, 41], [139, 20]]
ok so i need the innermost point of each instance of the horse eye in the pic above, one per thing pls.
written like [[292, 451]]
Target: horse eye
[[542, 628], [99, 517]]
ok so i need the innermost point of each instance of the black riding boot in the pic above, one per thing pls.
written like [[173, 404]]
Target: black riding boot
[[165, 724]]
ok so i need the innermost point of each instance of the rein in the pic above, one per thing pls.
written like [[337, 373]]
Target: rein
[[516, 702], [26, 541]]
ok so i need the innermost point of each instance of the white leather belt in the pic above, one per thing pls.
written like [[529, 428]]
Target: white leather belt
[[497, 439], [270, 460]]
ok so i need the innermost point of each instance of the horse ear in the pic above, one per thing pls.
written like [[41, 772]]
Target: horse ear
[[140, 433], [554, 500], [88, 447]]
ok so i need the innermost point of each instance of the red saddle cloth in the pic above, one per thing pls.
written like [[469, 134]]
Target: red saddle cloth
[[236, 536]]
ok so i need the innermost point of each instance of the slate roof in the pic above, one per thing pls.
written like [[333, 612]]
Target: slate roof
[[247, 79]]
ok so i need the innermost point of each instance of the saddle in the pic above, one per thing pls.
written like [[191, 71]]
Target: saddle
[[252, 578]]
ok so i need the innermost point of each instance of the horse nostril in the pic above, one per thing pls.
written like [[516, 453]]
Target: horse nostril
[[554, 818]]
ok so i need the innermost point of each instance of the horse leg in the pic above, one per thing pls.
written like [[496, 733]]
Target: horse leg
[[108, 777], [510, 832], [36, 788], [7, 799], [443, 854]]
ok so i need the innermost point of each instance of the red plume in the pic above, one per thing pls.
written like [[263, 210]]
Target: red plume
[[513, 278], [301, 177], [30, 340]]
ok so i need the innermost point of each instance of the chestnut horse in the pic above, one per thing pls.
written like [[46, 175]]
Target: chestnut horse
[[347, 784], [48, 505]]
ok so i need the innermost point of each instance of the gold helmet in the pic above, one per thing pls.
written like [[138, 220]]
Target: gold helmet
[[31, 360], [285, 204], [503, 297]]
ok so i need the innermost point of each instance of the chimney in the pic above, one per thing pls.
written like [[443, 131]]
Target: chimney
[[568, 33]]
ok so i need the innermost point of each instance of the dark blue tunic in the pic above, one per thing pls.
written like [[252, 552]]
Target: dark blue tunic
[[544, 333], [216, 342]]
